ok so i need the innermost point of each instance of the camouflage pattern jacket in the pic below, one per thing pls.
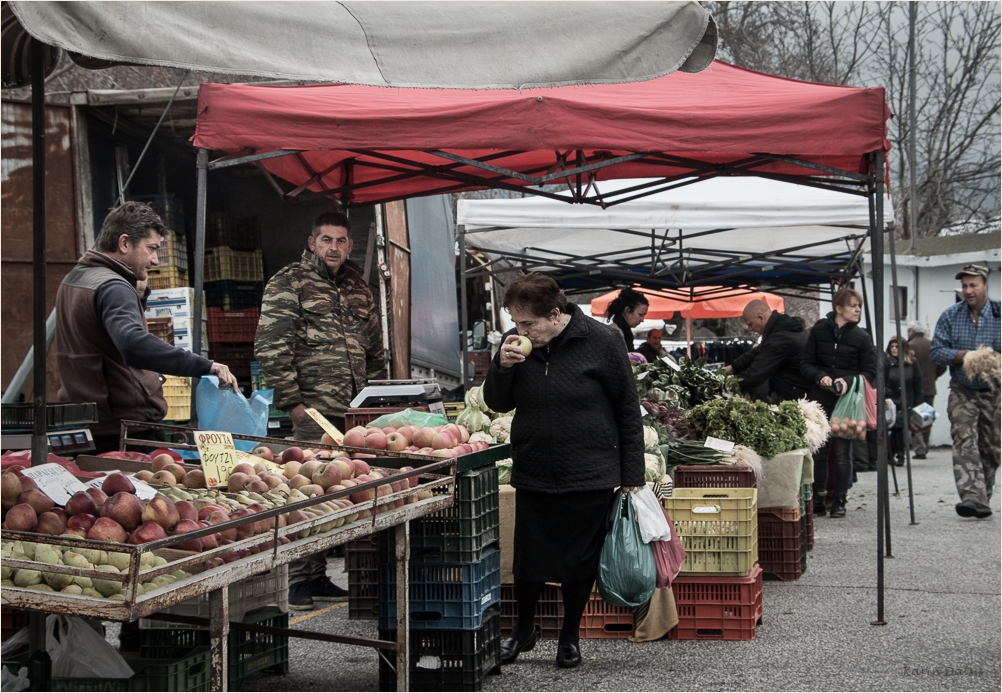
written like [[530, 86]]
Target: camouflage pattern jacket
[[318, 339]]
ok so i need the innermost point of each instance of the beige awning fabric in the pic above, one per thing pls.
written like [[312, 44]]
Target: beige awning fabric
[[490, 45]]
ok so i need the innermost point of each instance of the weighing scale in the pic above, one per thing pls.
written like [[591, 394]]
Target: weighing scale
[[66, 427], [381, 393]]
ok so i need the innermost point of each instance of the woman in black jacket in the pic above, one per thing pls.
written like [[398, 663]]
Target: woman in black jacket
[[575, 437], [837, 350], [627, 311], [913, 390]]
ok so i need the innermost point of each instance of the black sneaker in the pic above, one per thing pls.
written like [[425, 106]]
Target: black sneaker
[[982, 512], [323, 590], [300, 598], [968, 508]]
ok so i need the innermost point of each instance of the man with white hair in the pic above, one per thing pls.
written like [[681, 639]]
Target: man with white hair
[[920, 345]]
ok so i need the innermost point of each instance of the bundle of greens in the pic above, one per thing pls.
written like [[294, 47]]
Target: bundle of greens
[[767, 429], [692, 384], [676, 452]]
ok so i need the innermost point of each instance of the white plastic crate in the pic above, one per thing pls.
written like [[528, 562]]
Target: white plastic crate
[[266, 589]]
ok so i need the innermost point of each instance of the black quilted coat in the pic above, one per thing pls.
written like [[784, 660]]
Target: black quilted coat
[[851, 355], [577, 424]]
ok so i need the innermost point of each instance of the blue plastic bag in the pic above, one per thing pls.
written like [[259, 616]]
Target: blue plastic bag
[[627, 573], [222, 409]]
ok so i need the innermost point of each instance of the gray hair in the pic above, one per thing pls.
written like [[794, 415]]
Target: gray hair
[[916, 327]]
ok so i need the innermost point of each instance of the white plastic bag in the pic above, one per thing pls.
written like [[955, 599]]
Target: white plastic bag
[[14, 681], [78, 651], [890, 411], [650, 516]]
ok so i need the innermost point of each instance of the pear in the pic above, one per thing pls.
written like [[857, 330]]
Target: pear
[[84, 582], [91, 592], [107, 587], [119, 560], [57, 581], [72, 589], [76, 560], [27, 578]]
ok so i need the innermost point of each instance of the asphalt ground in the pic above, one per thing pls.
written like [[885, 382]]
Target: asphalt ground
[[941, 607]]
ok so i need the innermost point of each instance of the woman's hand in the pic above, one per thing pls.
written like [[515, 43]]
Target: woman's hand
[[510, 354], [845, 385], [825, 381], [631, 489]]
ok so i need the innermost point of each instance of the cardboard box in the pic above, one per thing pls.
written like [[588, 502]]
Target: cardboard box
[[173, 303], [506, 520]]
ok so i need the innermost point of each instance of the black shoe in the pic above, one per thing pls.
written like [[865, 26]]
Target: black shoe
[[968, 508], [838, 506], [511, 647], [568, 655], [300, 598], [820, 509], [982, 512], [918, 456], [323, 590]]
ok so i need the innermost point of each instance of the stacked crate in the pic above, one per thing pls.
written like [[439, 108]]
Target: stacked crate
[[783, 538], [455, 591], [178, 305], [718, 593], [172, 269], [177, 392], [258, 383]]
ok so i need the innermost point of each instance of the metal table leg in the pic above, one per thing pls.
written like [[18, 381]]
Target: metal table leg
[[219, 632], [403, 550]]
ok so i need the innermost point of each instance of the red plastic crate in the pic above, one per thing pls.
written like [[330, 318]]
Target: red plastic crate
[[363, 415], [233, 326], [810, 524], [710, 608], [714, 476], [603, 620], [161, 328], [780, 551], [549, 611], [237, 356]]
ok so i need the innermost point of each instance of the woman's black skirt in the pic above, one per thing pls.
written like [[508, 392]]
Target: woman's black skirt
[[559, 536]]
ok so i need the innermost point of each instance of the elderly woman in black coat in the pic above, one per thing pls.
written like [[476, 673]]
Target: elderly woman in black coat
[[837, 350], [576, 436]]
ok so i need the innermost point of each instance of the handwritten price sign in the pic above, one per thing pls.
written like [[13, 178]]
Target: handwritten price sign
[[219, 456], [329, 428]]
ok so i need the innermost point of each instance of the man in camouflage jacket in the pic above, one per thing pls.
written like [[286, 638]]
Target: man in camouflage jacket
[[318, 340], [318, 343]]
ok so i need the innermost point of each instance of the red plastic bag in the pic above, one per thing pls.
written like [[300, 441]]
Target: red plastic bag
[[668, 556], [870, 397]]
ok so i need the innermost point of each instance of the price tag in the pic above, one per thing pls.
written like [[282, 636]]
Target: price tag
[[671, 363], [219, 456], [254, 459], [143, 490], [54, 481], [718, 444], [328, 427]]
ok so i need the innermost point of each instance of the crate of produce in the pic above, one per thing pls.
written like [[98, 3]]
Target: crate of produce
[[780, 552], [714, 476], [362, 415], [603, 620], [718, 527], [231, 295], [443, 596], [161, 328], [361, 562], [715, 608], [223, 263], [462, 533], [549, 611], [248, 653], [166, 278], [449, 660], [21, 415], [177, 392], [237, 356], [258, 383], [270, 589], [233, 325]]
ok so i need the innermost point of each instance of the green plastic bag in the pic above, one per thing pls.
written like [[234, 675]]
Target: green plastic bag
[[626, 570], [408, 417], [849, 414]]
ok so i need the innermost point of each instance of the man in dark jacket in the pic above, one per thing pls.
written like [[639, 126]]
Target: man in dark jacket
[[772, 369], [104, 352], [931, 372]]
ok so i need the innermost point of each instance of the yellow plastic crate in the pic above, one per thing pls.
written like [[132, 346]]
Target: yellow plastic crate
[[453, 409], [718, 527], [177, 392], [173, 251], [166, 278], [224, 263]]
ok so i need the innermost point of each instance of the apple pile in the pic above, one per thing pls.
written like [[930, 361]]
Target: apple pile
[[439, 441]]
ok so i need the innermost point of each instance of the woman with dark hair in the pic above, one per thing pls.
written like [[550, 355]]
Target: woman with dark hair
[[626, 312], [913, 390], [837, 350], [573, 376]]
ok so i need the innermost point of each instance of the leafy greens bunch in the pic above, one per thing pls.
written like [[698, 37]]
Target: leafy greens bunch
[[767, 429]]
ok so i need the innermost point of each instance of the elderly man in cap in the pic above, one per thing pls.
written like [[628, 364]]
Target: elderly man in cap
[[921, 346], [974, 402]]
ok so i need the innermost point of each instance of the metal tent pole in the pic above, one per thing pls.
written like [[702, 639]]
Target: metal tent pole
[[877, 263], [201, 163], [903, 403], [39, 439], [462, 307]]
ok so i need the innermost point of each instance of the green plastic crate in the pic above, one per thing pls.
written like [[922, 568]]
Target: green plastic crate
[[192, 672], [461, 533]]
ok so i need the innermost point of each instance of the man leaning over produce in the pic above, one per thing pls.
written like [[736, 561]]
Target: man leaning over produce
[[773, 367], [318, 343], [104, 352], [966, 337]]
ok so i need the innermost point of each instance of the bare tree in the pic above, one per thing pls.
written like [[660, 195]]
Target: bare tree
[[864, 43]]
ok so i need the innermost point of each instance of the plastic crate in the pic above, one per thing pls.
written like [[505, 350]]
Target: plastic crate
[[166, 278], [248, 653], [780, 547], [714, 476], [21, 415], [177, 392], [223, 263], [362, 415], [453, 409], [173, 251], [449, 660], [809, 521], [233, 325], [717, 608], [718, 527], [784, 514], [237, 356], [161, 328], [191, 672], [443, 597], [603, 620], [361, 562], [549, 611], [803, 544], [238, 234], [231, 295], [462, 533], [258, 383]]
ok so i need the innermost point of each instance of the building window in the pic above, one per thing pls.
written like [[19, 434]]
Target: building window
[[899, 312]]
